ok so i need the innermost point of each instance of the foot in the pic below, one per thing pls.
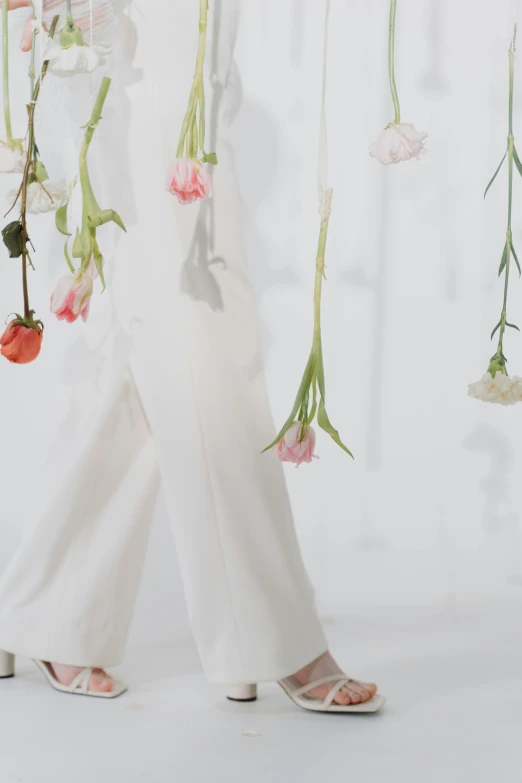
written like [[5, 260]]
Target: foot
[[352, 693], [100, 681]]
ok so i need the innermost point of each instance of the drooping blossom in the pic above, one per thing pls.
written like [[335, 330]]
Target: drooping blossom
[[21, 344], [397, 143], [46, 196], [502, 389], [74, 59], [12, 158], [291, 448], [72, 296], [188, 180]]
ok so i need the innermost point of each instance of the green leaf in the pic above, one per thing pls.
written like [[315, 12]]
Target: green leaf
[[513, 326], [493, 178], [303, 389], [518, 164], [77, 251], [325, 424], [12, 236], [503, 261], [61, 221], [105, 216], [516, 260], [497, 327], [98, 260], [311, 417], [210, 157], [67, 257]]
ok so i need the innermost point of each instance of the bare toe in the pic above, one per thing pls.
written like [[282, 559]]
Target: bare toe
[[101, 681]]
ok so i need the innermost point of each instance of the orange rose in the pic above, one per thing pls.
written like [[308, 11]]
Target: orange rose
[[21, 344]]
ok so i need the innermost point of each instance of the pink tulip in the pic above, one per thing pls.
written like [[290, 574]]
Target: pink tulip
[[189, 181], [72, 297], [291, 449]]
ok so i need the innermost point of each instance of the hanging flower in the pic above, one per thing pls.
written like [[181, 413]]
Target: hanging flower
[[70, 55], [496, 385], [72, 297], [398, 143], [46, 196], [501, 389], [189, 181], [187, 178], [295, 446], [21, 342], [12, 158]]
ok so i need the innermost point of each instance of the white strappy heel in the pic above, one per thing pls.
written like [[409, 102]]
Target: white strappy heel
[[78, 687], [300, 695]]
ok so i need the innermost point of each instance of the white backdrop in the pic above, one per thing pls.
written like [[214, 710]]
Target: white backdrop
[[429, 514]]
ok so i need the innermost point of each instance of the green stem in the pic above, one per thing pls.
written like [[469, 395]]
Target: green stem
[[70, 19], [391, 61], [510, 154], [5, 53], [90, 205], [186, 128], [319, 271]]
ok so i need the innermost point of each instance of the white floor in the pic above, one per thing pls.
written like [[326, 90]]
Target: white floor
[[453, 681]]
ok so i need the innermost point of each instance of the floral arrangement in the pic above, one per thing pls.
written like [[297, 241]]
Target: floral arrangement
[[399, 141], [496, 385], [67, 55]]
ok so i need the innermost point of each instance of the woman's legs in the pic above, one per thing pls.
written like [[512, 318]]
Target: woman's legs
[[68, 594]]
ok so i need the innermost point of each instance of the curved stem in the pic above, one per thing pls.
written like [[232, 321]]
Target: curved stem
[[197, 82], [319, 271], [5, 65], [391, 61]]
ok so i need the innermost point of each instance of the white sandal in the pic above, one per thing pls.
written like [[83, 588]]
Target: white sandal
[[78, 687], [300, 695]]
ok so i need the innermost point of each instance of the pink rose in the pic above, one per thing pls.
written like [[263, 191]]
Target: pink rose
[[291, 449], [72, 297], [189, 181], [21, 344]]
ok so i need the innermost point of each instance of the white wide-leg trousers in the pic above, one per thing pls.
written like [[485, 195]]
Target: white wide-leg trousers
[[186, 405]]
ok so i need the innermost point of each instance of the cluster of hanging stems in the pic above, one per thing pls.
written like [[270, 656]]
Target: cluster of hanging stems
[[15, 234]]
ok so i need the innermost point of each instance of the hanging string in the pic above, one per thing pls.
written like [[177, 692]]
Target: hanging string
[[324, 193]]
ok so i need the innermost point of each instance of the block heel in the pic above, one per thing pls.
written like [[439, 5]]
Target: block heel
[[7, 665], [242, 693]]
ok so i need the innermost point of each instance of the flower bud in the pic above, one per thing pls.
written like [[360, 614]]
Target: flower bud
[[21, 343], [293, 447]]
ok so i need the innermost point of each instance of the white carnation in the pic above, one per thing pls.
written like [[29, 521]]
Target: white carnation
[[502, 389]]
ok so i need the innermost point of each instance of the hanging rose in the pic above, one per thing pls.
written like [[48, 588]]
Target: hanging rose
[[22, 340], [399, 141], [187, 178], [44, 196]]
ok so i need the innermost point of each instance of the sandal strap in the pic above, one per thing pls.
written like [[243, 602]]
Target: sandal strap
[[336, 678], [334, 691], [82, 680]]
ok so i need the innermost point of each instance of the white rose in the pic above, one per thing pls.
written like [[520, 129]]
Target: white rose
[[397, 143], [45, 197]]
